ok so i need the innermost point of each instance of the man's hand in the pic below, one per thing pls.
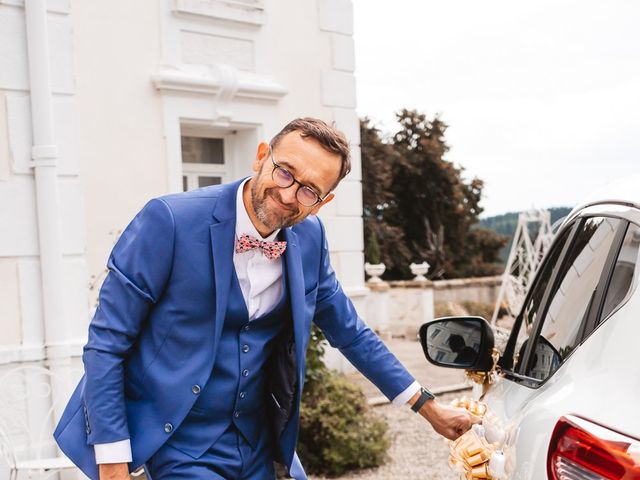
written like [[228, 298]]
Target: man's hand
[[450, 422], [114, 471]]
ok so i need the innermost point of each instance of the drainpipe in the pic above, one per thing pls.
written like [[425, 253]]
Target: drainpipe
[[51, 332]]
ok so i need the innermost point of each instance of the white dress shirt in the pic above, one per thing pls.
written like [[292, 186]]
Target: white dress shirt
[[260, 280]]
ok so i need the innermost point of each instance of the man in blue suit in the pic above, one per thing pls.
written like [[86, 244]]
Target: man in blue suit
[[195, 361]]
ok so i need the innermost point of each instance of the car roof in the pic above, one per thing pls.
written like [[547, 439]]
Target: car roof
[[624, 191]]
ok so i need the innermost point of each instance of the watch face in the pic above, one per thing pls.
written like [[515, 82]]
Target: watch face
[[427, 393]]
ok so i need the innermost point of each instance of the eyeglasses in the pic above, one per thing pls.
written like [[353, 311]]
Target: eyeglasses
[[305, 195]]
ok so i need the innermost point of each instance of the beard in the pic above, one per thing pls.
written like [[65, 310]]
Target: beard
[[271, 217]]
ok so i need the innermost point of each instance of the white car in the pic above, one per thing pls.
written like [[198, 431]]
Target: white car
[[566, 390]]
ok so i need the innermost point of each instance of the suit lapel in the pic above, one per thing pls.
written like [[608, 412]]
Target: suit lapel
[[293, 262], [222, 232]]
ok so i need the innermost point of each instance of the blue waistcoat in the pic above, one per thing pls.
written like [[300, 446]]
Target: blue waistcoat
[[236, 391]]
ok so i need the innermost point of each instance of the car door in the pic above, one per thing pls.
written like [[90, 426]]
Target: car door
[[543, 365]]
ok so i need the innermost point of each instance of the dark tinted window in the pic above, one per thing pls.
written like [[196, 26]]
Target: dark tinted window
[[202, 150], [532, 308], [574, 289], [625, 274]]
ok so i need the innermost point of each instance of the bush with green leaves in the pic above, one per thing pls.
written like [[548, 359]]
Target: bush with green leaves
[[338, 432], [372, 249], [466, 307], [480, 309]]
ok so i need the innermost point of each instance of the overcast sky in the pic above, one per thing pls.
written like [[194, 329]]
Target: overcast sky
[[542, 98]]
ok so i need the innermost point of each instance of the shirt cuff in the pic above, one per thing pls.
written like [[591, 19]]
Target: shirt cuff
[[115, 452], [406, 395]]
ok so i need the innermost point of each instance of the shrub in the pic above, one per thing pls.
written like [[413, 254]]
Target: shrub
[[467, 307], [338, 432], [443, 309], [480, 309], [372, 249]]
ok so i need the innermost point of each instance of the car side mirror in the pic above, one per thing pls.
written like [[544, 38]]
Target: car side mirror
[[458, 342]]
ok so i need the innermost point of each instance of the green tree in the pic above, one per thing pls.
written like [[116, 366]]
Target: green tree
[[420, 206], [378, 159]]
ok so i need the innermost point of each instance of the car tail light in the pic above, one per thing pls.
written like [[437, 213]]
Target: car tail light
[[583, 450]]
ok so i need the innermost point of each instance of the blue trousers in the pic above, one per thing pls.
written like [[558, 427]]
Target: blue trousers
[[230, 458]]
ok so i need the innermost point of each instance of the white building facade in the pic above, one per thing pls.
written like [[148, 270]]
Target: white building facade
[[104, 105]]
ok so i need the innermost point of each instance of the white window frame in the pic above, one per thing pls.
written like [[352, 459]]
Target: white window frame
[[192, 171]]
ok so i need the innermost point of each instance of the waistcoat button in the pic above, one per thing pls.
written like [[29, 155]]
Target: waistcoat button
[[236, 414], [168, 427], [242, 394], [246, 328], [195, 389], [245, 373], [245, 348]]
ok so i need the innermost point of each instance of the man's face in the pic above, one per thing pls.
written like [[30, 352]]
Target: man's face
[[310, 164]]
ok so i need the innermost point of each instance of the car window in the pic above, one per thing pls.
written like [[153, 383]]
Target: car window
[[573, 292], [625, 274], [533, 306]]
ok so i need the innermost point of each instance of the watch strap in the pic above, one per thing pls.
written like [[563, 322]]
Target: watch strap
[[422, 399]]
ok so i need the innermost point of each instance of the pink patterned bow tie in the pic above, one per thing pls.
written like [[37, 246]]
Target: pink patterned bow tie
[[271, 250]]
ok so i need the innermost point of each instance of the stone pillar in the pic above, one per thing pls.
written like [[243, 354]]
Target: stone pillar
[[344, 214], [378, 308], [411, 305]]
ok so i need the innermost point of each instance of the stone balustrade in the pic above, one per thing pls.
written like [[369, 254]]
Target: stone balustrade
[[399, 308]]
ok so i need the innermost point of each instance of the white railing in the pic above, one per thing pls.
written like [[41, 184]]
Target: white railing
[[30, 398]]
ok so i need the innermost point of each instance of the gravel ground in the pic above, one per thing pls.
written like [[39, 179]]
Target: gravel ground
[[416, 453]]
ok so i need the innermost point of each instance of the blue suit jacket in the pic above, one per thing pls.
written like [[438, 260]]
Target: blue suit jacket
[[160, 315]]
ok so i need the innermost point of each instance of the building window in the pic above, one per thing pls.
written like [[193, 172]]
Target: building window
[[203, 162]]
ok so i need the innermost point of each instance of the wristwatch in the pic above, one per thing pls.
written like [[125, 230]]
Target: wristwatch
[[424, 396]]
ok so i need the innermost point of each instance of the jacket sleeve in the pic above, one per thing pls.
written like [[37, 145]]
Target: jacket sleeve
[[139, 268], [337, 318]]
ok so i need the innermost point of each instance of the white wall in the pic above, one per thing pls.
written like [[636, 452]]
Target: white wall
[[125, 78], [285, 59], [22, 313], [121, 143]]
